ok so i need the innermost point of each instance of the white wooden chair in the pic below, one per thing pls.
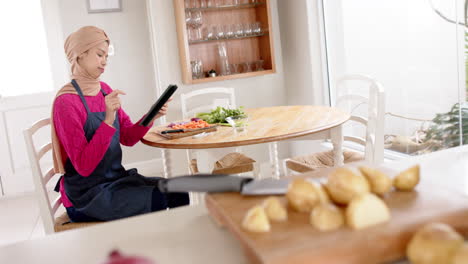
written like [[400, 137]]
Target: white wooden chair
[[351, 98], [47, 209], [218, 96], [205, 100]]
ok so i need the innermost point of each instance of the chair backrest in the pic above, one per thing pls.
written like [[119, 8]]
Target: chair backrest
[[208, 99], [47, 208], [355, 92]]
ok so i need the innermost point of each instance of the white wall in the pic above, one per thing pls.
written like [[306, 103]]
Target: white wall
[[407, 47]]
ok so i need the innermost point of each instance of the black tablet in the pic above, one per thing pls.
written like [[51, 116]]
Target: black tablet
[[159, 104]]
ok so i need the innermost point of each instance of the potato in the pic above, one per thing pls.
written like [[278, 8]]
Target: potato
[[256, 220], [303, 195], [343, 185], [366, 210], [461, 255], [407, 180], [275, 210], [327, 217], [323, 196], [435, 243], [379, 182]]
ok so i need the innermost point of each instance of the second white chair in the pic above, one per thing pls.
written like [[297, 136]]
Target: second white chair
[[365, 92]]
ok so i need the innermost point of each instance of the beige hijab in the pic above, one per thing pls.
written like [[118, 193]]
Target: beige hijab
[[76, 44]]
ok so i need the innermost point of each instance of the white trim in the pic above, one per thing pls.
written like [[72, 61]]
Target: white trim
[[318, 51], [150, 11]]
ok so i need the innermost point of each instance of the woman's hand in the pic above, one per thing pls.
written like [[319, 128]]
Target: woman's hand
[[112, 105], [163, 110]]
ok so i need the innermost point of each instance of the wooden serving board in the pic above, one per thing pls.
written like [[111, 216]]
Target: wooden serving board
[[296, 241], [187, 133]]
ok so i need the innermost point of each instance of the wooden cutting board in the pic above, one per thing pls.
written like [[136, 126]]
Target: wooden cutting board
[[296, 241], [187, 133]]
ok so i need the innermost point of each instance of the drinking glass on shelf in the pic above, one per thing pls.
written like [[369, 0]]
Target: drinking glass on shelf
[[234, 67], [239, 30], [235, 2], [210, 32], [220, 32], [189, 22], [247, 29], [257, 28], [259, 65], [228, 31], [247, 66], [223, 60], [197, 69], [219, 3], [203, 3], [197, 22]]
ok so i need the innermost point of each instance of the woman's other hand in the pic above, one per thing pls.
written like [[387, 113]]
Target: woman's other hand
[[113, 104]]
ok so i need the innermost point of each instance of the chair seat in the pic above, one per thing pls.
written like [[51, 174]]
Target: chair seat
[[232, 163], [320, 160], [63, 223]]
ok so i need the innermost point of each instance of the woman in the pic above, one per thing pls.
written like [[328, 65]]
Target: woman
[[88, 127]]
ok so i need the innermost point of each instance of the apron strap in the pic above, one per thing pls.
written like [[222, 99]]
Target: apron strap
[[80, 93]]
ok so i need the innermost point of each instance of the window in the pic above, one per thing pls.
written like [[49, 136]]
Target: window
[[416, 50], [24, 63]]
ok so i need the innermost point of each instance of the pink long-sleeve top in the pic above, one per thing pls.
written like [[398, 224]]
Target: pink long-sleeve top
[[69, 118]]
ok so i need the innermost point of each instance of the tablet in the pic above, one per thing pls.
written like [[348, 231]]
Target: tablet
[[158, 105]]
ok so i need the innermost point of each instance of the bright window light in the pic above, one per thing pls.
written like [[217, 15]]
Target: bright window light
[[24, 62]]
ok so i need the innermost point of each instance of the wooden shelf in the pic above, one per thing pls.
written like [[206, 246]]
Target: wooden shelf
[[232, 76], [224, 7], [239, 49], [225, 39]]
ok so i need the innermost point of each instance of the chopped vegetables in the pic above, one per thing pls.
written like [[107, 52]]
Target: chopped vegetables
[[219, 114], [195, 123]]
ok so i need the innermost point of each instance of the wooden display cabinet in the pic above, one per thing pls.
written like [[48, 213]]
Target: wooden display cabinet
[[227, 16]]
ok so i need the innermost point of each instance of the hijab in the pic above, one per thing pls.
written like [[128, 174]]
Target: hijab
[[76, 44]]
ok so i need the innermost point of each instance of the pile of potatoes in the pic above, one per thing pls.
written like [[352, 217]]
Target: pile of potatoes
[[350, 196]]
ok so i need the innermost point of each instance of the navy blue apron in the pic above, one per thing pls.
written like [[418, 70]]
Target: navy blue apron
[[110, 192]]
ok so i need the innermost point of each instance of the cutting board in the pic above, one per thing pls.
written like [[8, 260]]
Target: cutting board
[[187, 133], [296, 241]]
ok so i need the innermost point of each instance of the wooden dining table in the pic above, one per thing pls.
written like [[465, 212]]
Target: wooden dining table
[[265, 125]]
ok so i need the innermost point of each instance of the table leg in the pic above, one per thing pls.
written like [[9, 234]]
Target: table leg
[[337, 141], [274, 161], [166, 157]]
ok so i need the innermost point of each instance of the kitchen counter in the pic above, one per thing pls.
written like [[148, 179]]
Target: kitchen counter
[[188, 234]]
